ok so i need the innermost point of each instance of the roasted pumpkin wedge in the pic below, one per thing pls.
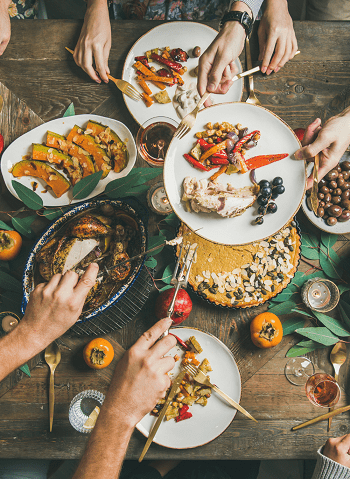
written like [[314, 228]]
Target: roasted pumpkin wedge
[[51, 155], [115, 146], [54, 140], [99, 154], [39, 169]]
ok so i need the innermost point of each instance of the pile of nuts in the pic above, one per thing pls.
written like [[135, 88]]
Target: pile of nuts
[[334, 195]]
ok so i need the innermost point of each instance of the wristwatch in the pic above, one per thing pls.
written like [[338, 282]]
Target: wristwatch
[[242, 17]]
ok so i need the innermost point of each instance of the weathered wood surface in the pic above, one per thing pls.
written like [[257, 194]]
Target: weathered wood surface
[[42, 74]]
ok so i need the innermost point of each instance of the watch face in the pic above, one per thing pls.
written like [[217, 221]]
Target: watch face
[[242, 17]]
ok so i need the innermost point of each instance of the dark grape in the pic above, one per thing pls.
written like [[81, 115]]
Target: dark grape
[[262, 200], [280, 189], [259, 220], [272, 208], [266, 191], [264, 183], [262, 210], [274, 194], [277, 181]]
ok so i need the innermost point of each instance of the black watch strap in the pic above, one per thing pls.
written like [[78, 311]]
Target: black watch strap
[[242, 17]]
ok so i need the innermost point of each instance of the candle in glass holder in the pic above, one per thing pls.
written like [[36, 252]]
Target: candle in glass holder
[[320, 294], [157, 199]]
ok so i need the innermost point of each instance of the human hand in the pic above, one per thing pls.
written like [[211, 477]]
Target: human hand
[[95, 41], [330, 141], [5, 26], [277, 40], [55, 306], [141, 376], [338, 449]]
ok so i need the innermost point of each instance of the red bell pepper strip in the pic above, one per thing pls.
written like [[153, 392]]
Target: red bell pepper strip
[[263, 160], [218, 161], [197, 164], [204, 144], [1, 144], [182, 343], [240, 162], [240, 143], [187, 415], [220, 154], [143, 60], [171, 64]]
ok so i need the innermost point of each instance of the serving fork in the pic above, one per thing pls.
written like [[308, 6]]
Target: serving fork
[[202, 378], [189, 121], [124, 86]]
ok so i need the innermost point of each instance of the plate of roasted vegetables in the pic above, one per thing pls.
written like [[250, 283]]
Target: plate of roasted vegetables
[[197, 415], [108, 232], [162, 65], [233, 179], [55, 156]]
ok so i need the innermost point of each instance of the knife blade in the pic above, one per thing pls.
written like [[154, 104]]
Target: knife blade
[[314, 190], [172, 393]]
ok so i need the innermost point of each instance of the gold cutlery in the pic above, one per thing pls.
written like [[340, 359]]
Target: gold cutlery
[[201, 378], [52, 358], [251, 97], [189, 121], [314, 189], [340, 410], [172, 393], [337, 357], [124, 86]]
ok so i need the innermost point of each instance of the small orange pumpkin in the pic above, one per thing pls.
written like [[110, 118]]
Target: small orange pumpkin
[[266, 330], [10, 244], [98, 353]]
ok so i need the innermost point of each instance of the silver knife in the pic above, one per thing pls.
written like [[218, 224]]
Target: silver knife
[[172, 393]]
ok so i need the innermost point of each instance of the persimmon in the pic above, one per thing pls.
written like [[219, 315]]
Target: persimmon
[[266, 330], [10, 244], [98, 353]]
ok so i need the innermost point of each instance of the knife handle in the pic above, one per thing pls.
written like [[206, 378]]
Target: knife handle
[[232, 402]]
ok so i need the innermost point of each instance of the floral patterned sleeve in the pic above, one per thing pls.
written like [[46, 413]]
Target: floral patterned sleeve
[[23, 9]]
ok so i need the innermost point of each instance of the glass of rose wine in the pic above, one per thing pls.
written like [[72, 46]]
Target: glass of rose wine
[[153, 139]]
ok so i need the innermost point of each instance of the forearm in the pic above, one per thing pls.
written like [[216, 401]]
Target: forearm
[[4, 4]]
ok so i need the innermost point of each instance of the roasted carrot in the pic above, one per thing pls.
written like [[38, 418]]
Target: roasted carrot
[[218, 173], [145, 87], [158, 79], [147, 99], [214, 149], [162, 86], [144, 70], [178, 76]]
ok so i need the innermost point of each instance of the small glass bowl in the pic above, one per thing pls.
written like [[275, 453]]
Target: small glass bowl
[[82, 406]]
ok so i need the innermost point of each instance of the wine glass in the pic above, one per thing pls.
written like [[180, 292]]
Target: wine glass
[[153, 139], [298, 369]]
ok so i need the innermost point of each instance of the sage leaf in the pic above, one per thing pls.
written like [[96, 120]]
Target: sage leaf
[[31, 199], [22, 225], [291, 324], [283, 308], [168, 272], [302, 350], [328, 239], [25, 369], [343, 287], [300, 311], [151, 262], [86, 185], [9, 283], [344, 309], [284, 296], [4, 226], [70, 111], [154, 241], [332, 324], [310, 240], [172, 220], [330, 264], [319, 334], [167, 234], [168, 286], [53, 213], [310, 252], [144, 174]]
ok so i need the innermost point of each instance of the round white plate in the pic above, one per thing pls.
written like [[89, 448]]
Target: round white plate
[[210, 421], [339, 228], [276, 137], [185, 35], [23, 146]]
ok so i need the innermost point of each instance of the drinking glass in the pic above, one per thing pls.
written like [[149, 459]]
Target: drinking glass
[[82, 406], [153, 139], [322, 390], [298, 369]]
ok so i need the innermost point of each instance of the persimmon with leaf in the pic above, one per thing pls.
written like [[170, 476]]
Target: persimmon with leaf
[[266, 330], [98, 353], [10, 244]]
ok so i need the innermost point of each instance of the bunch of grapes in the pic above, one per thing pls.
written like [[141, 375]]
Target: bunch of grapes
[[268, 192]]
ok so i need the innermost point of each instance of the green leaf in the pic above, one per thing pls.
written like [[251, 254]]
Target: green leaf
[[172, 220], [31, 199], [22, 225], [330, 266], [310, 253], [86, 185], [344, 309], [9, 283], [4, 265], [154, 241], [4, 226], [310, 240], [168, 272], [285, 296], [300, 311], [332, 324], [136, 191], [119, 187], [70, 111], [283, 308], [302, 350], [145, 174], [318, 334], [25, 369], [343, 287], [168, 286], [52, 213], [328, 239], [167, 234], [131, 184], [291, 324], [151, 262]]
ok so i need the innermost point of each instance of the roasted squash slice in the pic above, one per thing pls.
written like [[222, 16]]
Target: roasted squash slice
[[51, 155], [39, 169], [54, 140], [99, 154], [115, 146]]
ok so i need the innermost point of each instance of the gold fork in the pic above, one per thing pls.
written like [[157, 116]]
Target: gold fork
[[251, 97], [124, 86], [201, 378], [314, 189], [188, 122]]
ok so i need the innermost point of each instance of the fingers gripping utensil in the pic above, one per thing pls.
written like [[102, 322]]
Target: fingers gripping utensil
[[337, 357], [52, 358]]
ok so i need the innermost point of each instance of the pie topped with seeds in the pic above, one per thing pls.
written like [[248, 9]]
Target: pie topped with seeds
[[246, 275]]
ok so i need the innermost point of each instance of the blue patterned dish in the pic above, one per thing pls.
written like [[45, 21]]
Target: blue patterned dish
[[132, 207]]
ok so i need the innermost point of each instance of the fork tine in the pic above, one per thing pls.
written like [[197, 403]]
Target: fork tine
[[131, 93], [187, 130], [179, 130]]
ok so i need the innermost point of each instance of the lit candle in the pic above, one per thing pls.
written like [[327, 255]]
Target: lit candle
[[320, 294], [9, 323], [158, 200]]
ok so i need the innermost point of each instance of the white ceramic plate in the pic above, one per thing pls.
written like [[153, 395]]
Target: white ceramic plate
[[276, 137], [210, 421], [339, 228], [23, 146], [185, 35]]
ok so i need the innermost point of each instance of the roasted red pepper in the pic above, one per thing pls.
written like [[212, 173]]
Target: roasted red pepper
[[143, 60], [218, 160], [171, 64], [179, 55], [204, 144], [183, 413], [182, 343], [240, 143], [263, 160], [196, 163], [1, 144], [163, 72], [220, 154]]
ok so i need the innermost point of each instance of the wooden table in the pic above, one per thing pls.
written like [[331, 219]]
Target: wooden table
[[38, 80]]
